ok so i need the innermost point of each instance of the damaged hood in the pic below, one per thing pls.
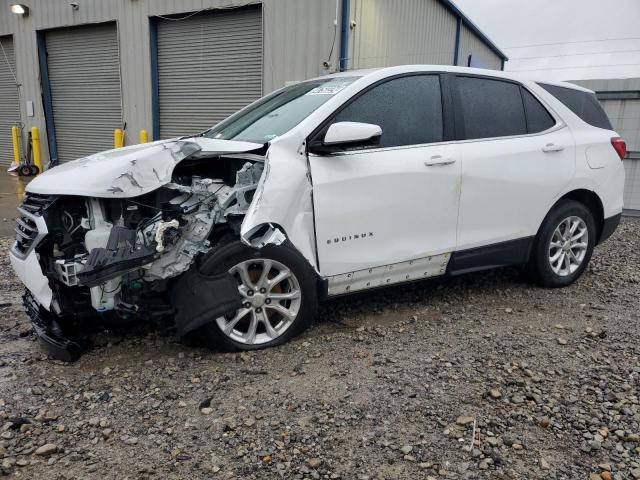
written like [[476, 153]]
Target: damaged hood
[[130, 171]]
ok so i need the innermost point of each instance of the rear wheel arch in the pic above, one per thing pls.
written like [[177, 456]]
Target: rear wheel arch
[[592, 201]]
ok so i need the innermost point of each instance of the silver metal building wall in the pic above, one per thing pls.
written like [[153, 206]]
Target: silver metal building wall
[[209, 66], [420, 32], [9, 103], [298, 36], [482, 56], [620, 99], [84, 73]]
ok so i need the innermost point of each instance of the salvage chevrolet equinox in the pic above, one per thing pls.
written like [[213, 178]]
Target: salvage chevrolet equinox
[[335, 185]]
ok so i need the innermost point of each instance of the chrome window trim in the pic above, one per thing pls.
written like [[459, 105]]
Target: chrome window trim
[[558, 126]]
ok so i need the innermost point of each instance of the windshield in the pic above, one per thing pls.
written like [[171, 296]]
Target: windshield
[[279, 112]]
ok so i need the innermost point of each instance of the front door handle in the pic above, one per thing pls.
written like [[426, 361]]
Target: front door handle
[[438, 161], [552, 147]]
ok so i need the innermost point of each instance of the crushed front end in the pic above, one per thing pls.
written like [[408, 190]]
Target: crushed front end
[[84, 258]]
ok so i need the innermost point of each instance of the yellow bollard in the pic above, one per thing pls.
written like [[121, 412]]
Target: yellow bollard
[[15, 135], [144, 136], [35, 142], [118, 138]]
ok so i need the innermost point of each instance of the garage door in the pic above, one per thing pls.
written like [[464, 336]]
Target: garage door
[[84, 77], [209, 66], [9, 103]]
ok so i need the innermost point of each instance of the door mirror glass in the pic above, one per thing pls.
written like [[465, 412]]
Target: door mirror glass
[[344, 135]]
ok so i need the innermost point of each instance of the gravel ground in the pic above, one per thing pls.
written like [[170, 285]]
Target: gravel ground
[[388, 384]]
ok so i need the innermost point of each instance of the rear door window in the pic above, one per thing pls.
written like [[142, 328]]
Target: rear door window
[[408, 109], [583, 104], [538, 118], [489, 108]]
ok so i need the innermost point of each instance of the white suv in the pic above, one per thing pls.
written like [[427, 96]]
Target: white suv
[[330, 186]]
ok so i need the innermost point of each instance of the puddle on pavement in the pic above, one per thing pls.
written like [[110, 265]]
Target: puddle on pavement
[[11, 193]]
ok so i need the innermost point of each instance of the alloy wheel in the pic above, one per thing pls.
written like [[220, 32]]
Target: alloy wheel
[[568, 246], [271, 299]]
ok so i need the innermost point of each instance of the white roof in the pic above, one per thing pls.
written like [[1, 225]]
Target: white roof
[[389, 71]]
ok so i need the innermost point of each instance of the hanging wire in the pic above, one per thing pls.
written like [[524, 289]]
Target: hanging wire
[[6, 59], [335, 34], [177, 19]]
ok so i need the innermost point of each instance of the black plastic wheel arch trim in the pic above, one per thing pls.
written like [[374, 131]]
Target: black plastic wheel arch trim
[[609, 225]]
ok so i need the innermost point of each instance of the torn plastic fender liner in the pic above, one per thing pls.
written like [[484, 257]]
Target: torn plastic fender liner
[[199, 299]]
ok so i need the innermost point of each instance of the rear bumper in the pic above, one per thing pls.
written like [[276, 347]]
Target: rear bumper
[[609, 226]]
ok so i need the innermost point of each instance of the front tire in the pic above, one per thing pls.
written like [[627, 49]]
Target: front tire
[[279, 296], [563, 246]]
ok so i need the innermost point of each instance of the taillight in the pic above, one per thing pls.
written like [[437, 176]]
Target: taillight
[[619, 146]]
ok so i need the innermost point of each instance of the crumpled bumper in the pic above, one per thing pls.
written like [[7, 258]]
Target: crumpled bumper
[[49, 332]]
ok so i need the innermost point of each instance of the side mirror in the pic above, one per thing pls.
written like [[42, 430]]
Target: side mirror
[[344, 135]]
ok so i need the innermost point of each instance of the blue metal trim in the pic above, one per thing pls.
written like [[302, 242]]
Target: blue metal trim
[[459, 13], [344, 36], [155, 85], [46, 98], [456, 51], [502, 64]]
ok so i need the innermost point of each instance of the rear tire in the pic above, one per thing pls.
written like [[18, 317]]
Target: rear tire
[[563, 246], [279, 309]]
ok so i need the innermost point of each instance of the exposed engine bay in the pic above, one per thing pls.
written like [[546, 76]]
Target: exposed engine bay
[[119, 254]]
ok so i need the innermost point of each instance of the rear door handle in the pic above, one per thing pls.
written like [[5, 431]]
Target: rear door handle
[[552, 147], [438, 161]]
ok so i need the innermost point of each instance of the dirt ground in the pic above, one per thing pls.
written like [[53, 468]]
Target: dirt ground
[[387, 385]]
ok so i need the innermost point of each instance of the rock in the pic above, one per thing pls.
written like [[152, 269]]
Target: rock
[[562, 341], [495, 393], [314, 462], [206, 410], [544, 465], [545, 422], [635, 473], [605, 475], [407, 449], [464, 420], [46, 450]]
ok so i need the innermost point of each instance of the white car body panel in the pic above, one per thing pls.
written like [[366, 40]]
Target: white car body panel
[[494, 190], [29, 272], [127, 172], [507, 184], [283, 197], [384, 206]]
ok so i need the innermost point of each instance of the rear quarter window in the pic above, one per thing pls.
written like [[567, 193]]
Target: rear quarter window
[[584, 104], [538, 118]]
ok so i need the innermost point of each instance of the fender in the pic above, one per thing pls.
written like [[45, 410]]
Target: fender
[[283, 198]]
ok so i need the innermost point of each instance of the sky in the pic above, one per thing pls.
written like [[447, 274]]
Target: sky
[[563, 39]]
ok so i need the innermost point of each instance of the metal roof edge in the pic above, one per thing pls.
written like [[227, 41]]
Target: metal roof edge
[[467, 21]]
